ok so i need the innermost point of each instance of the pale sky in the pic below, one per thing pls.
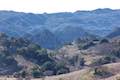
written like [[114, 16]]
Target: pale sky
[[51, 6]]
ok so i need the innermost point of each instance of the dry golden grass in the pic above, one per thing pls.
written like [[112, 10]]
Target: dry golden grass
[[84, 74]]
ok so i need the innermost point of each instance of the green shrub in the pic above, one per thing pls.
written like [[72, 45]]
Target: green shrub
[[48, 65], [36, 72], [62, 71], [104, 41], [104, 60], [102, 72]]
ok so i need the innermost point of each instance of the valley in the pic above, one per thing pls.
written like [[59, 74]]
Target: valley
[[83, 45]]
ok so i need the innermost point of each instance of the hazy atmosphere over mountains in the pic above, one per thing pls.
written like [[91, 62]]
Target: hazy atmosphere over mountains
[[53, 30]]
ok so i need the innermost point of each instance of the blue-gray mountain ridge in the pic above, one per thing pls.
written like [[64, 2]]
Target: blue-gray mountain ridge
[[53, 30]]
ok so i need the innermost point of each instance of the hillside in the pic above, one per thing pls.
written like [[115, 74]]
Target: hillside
[[18, 54], [86, 74], [83, 59], [21, 57]]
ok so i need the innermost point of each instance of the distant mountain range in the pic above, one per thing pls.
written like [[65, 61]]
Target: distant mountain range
[[40, 45], [53, 30]]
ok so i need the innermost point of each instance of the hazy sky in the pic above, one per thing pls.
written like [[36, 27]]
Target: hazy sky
[[50, 6]]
